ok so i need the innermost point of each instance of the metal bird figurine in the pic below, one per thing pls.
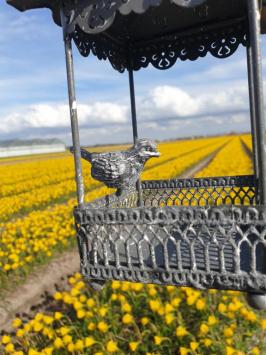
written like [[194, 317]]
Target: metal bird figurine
[[121, 169]]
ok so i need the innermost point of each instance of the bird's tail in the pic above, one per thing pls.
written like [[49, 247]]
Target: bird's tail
[[84, 154]]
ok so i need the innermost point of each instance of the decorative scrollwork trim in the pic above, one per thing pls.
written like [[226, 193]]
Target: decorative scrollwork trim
[[96, 16], [91, 16], [169, 215], [202, 246], [102, 47], [221, 43], [163, 53], [196, 279]]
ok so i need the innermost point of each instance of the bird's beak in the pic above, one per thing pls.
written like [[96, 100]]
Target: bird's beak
[[154, 154]]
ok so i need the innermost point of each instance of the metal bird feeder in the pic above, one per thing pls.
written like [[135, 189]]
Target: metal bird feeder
[[203, 232]]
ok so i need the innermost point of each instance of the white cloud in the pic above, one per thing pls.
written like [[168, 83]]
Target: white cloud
[[240, 118], [170, 102], [57, 115], [173, 100], [165, 111], [162, 103], [102, 112]]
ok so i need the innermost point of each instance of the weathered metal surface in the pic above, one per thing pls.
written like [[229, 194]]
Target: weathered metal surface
[[73, 113], [134, 123], [220, 40], [94, 16], [121, 169], [200, 246], [100, 13], [252, 106], [258, 124], [256, 87], [257, 300]]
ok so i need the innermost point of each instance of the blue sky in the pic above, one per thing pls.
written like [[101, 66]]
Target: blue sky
[[208, 96]]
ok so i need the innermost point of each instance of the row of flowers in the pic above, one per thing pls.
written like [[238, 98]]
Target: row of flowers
[[31, 185], [134, 318], [144, 319], [42, 232]]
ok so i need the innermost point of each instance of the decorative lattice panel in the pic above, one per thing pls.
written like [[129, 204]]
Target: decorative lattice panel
[[237, 190], [200, 246]]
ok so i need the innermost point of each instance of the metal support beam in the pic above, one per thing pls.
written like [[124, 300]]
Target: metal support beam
[[257, 94], [73, 113], [133, 105], [134, 123], [257, 111], [252, 111]]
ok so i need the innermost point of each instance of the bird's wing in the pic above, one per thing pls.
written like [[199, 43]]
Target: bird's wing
[[109, 166]]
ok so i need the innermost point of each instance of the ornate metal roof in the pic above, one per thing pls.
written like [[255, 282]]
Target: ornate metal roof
[[135, 33], [105, 9], [100, 14]]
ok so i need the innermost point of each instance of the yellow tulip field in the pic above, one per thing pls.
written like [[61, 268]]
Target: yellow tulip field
[[37, 196]]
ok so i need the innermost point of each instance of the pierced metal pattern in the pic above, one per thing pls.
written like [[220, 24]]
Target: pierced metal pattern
[[102, 47], [239, 190], [163, 54], [199, 246]]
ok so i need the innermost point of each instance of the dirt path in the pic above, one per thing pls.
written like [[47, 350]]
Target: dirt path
[[47, 278], [201, 165], [247, 149]]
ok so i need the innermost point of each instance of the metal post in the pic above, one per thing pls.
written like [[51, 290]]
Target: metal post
[[134, 123], [252, 107], [257, 96], [133, 105], [73, 112], [257, 300]]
